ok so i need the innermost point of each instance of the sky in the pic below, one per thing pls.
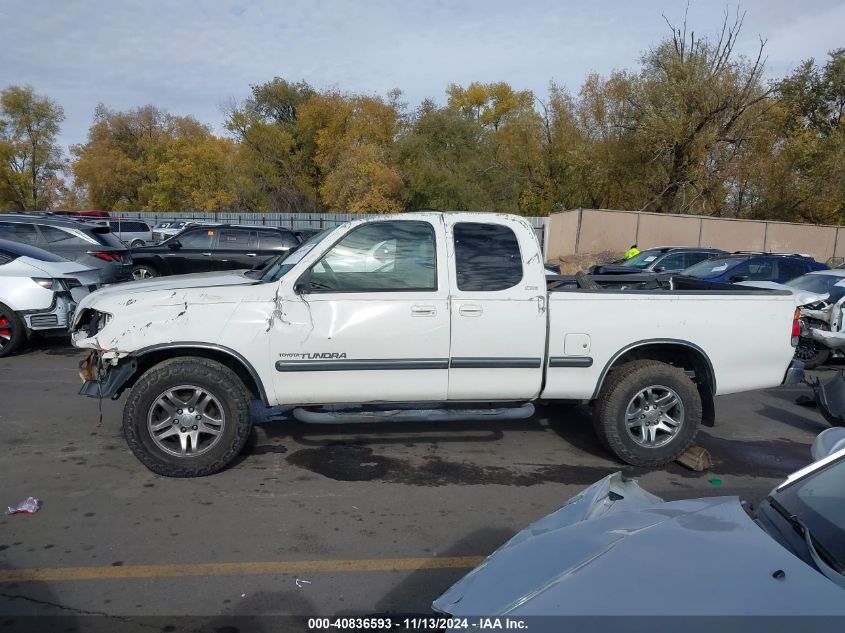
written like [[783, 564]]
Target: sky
[[193, 57]]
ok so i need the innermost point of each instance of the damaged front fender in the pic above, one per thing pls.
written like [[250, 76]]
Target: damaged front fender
[[102, 380]]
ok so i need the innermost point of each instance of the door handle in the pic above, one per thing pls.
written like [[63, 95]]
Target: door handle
[[207, 254], [423, 311], [251, 255], [470, 310]]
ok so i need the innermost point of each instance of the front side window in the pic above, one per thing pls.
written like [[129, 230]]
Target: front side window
[[487, 257], [379, 257], [197, 239]]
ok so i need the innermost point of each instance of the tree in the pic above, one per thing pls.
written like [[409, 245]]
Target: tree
[[147, 159], [804, 176], [353, 138], [679, 125], [277, 156], [30, 157]]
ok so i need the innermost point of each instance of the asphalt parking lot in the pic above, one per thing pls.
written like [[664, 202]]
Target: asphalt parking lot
[[312, 520]]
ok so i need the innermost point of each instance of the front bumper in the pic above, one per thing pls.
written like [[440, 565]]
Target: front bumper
[[794, 373], [100, 380]]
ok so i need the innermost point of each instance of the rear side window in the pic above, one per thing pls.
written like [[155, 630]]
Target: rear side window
[[236, 239], [790, 269], [134, 227], [695, 257], [673, 261], [487, 257], [276, 240], [59, 237], [19, 232]]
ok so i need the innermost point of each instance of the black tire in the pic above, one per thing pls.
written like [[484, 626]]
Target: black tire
[[620, 388], [143, 271], [811, 353], [136, 243], [219, 381], [11, 326]]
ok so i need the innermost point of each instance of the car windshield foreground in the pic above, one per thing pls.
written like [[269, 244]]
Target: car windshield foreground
[[820, 283], [604, 552], [814, 507]]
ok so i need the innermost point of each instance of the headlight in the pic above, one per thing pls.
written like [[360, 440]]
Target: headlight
[[91, 322]]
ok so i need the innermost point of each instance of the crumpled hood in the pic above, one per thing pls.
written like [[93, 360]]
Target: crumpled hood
[[173, 290], [181, 282], [802, 297], [615, 549]]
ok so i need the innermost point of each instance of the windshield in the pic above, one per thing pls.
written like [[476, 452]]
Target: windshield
[[643, 260], [818, 500], [712, 267], [277, 268], [833, 285]]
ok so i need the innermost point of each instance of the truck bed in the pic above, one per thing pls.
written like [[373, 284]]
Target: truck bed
[[743, 332]]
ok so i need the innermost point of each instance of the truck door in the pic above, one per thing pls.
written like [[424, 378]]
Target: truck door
[[373, 318], [498, 312]]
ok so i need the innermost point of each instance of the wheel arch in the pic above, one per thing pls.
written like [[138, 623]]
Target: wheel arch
[[155, 354], [677, 352]]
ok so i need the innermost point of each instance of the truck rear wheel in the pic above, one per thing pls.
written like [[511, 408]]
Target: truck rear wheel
[[647, 413], [187, 417]]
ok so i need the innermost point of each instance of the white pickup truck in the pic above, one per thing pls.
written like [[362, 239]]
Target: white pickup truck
[[423, 316]]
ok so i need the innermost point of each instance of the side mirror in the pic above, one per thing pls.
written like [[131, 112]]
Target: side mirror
[[174, 244], [736, 278], [303, 284], [659, 268]]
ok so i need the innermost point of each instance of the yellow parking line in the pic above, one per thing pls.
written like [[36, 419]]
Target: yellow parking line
[[53, 574]]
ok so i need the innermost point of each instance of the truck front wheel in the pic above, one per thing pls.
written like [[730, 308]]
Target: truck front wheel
[[187, 417], [647, 413]]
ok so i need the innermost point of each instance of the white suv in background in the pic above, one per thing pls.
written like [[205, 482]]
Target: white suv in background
[[133, 233]]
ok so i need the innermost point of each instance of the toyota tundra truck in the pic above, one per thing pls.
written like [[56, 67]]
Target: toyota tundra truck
[[423, 316]]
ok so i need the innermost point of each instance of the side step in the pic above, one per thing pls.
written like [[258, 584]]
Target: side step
[[412, 412]]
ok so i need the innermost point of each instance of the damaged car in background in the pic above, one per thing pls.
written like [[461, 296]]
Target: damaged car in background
[[423, 316], [618, 550], [38, 293], [820, 296]]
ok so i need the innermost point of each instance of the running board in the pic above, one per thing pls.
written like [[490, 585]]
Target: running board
[[422, 412]]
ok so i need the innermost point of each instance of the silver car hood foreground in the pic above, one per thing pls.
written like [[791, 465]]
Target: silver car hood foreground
[[615, 549]]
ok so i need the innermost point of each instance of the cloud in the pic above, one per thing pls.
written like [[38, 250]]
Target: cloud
[[191, 56]]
